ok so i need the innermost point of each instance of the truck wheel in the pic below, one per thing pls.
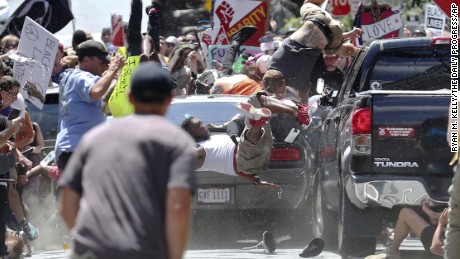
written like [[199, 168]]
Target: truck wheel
[[323, 219], [349, 241]]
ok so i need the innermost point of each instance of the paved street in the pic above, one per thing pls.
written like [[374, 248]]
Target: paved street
[[224, 234], [411, 249]]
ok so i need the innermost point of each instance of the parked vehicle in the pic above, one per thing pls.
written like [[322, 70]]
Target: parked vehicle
[[47, 117], [383, 145], [216, 191]]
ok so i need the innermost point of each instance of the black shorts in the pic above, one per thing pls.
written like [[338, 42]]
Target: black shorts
[[427, 237], [296, 62], [63, 159]]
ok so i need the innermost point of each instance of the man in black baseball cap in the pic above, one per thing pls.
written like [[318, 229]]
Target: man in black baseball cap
[[80, 96], [92, 48], [150, 161], [151, 83]]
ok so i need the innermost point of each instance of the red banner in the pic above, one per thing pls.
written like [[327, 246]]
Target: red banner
[[340, 7], [445, 5], [231, 15]]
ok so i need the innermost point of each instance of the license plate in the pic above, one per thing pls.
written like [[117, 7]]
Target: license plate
[[214, 195]]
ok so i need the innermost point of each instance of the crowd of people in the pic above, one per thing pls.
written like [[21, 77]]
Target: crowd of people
[[120, 204]]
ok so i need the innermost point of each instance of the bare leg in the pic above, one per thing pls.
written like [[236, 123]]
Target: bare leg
[[15, 204], [408, 220], [253, 134], [276, 106]]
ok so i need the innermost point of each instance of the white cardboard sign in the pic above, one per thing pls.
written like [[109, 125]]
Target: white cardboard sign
[[435, 20], [383, 27], [39, 46]]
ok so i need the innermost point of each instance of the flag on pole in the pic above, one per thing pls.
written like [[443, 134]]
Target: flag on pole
[[53, 15]]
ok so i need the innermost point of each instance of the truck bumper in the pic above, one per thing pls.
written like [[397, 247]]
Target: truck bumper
[[386, 193]]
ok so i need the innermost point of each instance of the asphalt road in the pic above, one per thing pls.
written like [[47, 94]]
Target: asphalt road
[[224, 235], [411, 250]]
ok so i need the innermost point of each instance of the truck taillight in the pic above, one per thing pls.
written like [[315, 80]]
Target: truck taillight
[[440, 41], [361, 130], [285, 154], [361, 121]]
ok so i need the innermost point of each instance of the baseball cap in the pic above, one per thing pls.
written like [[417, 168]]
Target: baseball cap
[[92, 48], [151, 82], [173, 40]]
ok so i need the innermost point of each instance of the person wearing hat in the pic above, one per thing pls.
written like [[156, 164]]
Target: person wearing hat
[[135, 178], [80, 96], [319, 33]]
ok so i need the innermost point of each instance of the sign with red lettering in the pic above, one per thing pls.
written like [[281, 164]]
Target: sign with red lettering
[[398, 132], [339, 7], [230, 15]]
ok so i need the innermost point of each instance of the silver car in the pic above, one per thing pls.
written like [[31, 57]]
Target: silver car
[[288, 165]]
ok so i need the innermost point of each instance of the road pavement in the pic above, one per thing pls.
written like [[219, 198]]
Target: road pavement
[[410, 249]]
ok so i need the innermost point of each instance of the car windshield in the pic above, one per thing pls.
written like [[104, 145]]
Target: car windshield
[[412, 69], [208, 112]]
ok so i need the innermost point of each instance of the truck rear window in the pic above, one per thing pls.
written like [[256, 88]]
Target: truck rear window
[[420, 69]]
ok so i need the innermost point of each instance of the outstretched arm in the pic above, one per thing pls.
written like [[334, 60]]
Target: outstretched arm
[[355, 33], [70, 205], [256, 181], [347, 50], [178, 211]]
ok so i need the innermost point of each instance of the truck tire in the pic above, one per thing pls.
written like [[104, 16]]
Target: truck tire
[[323, 219], [350, 242]]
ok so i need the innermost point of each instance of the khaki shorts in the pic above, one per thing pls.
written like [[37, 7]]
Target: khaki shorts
[[254, 158]]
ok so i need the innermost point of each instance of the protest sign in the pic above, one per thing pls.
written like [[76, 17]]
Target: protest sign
[[119, 102], [435, 20], [217, 52], [230, 15], [39, 47], [381, 19]]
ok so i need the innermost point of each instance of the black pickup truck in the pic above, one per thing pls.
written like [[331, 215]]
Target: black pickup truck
[[383, 144]]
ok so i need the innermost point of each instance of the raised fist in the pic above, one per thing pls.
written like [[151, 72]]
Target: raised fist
[[206, 39], [225, 13]]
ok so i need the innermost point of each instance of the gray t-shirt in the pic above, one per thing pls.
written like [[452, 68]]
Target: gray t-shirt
[[123, 170]]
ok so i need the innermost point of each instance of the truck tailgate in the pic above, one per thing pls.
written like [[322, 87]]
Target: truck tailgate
[[409, 134]]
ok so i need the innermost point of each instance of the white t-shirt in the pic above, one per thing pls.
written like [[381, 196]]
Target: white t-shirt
[[220, 151]]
